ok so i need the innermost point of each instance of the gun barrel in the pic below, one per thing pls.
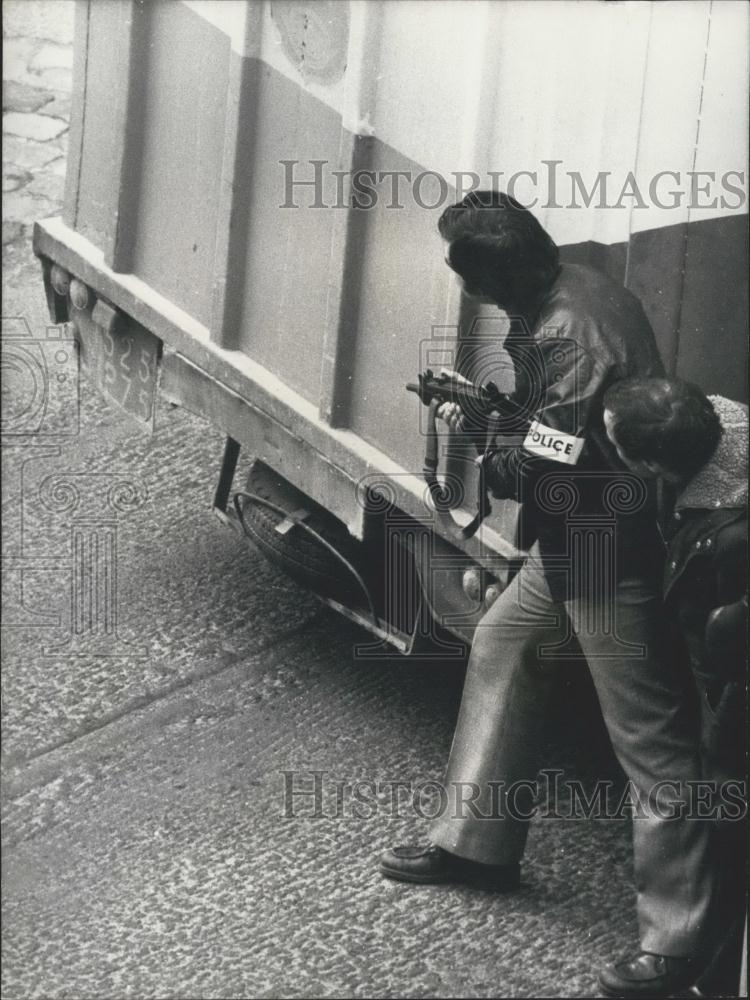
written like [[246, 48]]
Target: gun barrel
[[479, 400]]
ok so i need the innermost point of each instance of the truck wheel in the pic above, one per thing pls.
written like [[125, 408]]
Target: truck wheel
[[300, 555]]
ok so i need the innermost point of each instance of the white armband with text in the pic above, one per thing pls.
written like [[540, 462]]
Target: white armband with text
[[545, 442]]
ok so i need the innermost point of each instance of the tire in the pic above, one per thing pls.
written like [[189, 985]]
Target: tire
[[300, 555]]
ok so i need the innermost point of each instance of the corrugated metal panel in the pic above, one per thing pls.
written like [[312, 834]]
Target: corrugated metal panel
[[175, 155], [210, 98]]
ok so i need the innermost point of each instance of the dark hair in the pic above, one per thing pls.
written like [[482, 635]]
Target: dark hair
[[498, 247], [663, 420]]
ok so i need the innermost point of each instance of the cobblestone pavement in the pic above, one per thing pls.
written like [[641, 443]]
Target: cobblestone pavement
[[149, 847], [36, 111]]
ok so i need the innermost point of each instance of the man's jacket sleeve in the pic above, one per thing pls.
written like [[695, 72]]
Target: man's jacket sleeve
[[726, 628], [559, 436]]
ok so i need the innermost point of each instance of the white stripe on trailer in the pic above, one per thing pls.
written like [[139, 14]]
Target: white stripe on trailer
[[639, 93]]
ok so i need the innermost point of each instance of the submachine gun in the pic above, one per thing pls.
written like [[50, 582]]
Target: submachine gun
[[484, 406]]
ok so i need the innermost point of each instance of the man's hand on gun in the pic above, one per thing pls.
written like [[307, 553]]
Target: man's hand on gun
[[464, 406], [452, 413], [477, 403]]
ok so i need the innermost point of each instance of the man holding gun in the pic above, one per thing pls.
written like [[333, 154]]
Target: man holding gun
[[573, 333]]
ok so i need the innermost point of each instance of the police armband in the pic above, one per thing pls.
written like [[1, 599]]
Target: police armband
[[553, 445]]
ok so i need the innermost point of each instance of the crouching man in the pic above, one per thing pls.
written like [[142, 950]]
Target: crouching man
[[669, 429]]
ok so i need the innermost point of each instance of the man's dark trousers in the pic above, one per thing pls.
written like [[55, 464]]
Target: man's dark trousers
[[644, 704]]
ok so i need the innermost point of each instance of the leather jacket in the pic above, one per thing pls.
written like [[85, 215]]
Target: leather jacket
[[705, 596], [706, 570], [705, 589], [588, 332]]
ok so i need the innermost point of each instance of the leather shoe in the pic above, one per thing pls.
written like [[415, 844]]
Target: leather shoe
[[648, 975], [431, 865]]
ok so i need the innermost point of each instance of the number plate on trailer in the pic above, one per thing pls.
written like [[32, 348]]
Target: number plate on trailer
[[128, 369], [123, 358]]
